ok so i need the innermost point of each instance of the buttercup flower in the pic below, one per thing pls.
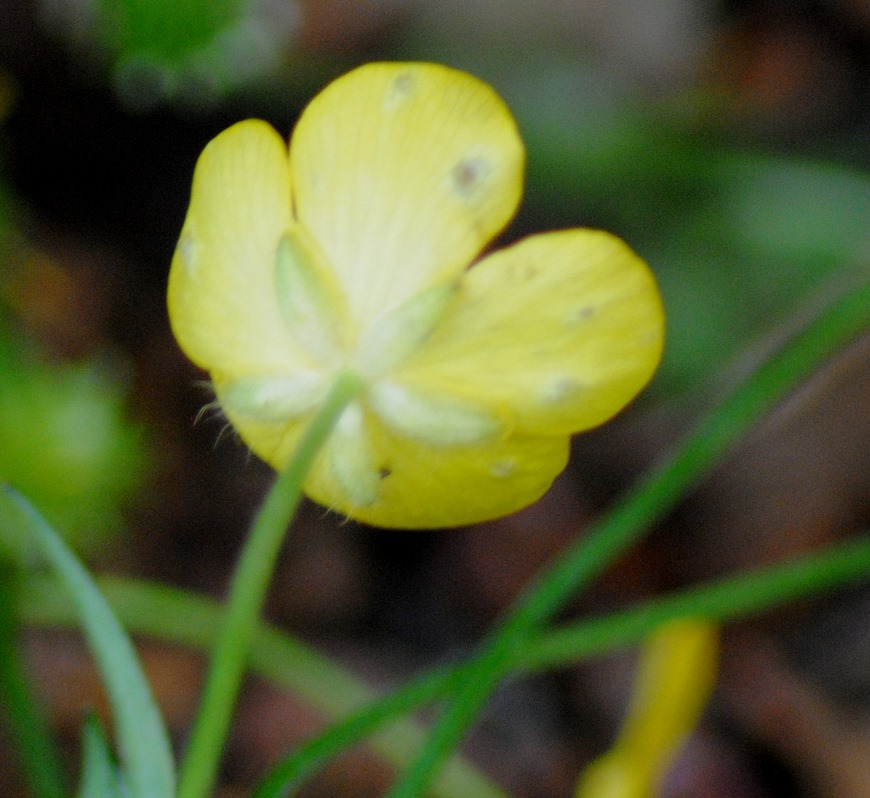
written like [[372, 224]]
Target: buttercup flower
[[351, 252]]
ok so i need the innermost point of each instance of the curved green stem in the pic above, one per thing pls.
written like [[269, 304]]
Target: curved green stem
[[247, 593], [184, 618], [27, 725], [178, 616], [607, 539], [723, 600]]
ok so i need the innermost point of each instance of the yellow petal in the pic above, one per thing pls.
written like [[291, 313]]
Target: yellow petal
[[676, 675], [222, 295], [402, 173], [613, 776], [425, 486], [418, 485], [562, 328]]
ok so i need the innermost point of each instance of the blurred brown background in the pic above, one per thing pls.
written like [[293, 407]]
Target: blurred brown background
[[727, 141]]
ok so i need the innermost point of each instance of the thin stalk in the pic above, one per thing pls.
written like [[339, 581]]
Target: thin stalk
[[177, 616], [724, 600], [250, 583], [37, 752], [844, 319]]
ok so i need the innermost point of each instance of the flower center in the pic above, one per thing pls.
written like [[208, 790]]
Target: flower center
[[314, 309]]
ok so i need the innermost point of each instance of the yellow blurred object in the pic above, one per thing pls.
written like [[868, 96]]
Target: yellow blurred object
[[675, 678]]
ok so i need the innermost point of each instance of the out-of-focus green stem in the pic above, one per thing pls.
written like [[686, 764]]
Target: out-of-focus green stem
[[248, 591], [180, 617], [723, 600], [38, 755]]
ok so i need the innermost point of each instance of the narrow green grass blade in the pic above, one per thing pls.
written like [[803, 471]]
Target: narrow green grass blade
[[145, 753], [727, 599], [176, 616], [100, 777], [188, 619], [24, 721]]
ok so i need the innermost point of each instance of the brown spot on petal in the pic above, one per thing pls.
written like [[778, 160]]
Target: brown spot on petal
[[468, 174], [399, 91], [503, 468], [579, 315]]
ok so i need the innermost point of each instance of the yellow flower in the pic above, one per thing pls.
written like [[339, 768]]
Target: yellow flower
[[676, 675], [351, 252]]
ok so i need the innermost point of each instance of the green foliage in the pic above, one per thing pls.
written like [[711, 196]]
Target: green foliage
[[738, 239], [19, 707], [194, 51], [100, 776], [144, 749], [66, 442], [145, 754], [162, 29]]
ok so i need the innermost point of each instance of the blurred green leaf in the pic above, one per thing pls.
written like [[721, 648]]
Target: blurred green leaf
[[66, 442], [196, 51], [814, 215], [166, 29], [100, 777], [145, 752], [24, 720]]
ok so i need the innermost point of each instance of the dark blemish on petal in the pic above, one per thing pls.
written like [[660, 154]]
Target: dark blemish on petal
[[467, 175], [399, 91], [521, 271], [579, 315], [503, 468], [531, 270], [404, 83]]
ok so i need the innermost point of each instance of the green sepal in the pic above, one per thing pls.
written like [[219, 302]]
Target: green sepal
[[400, 331], [309, 297], [271, 399]]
